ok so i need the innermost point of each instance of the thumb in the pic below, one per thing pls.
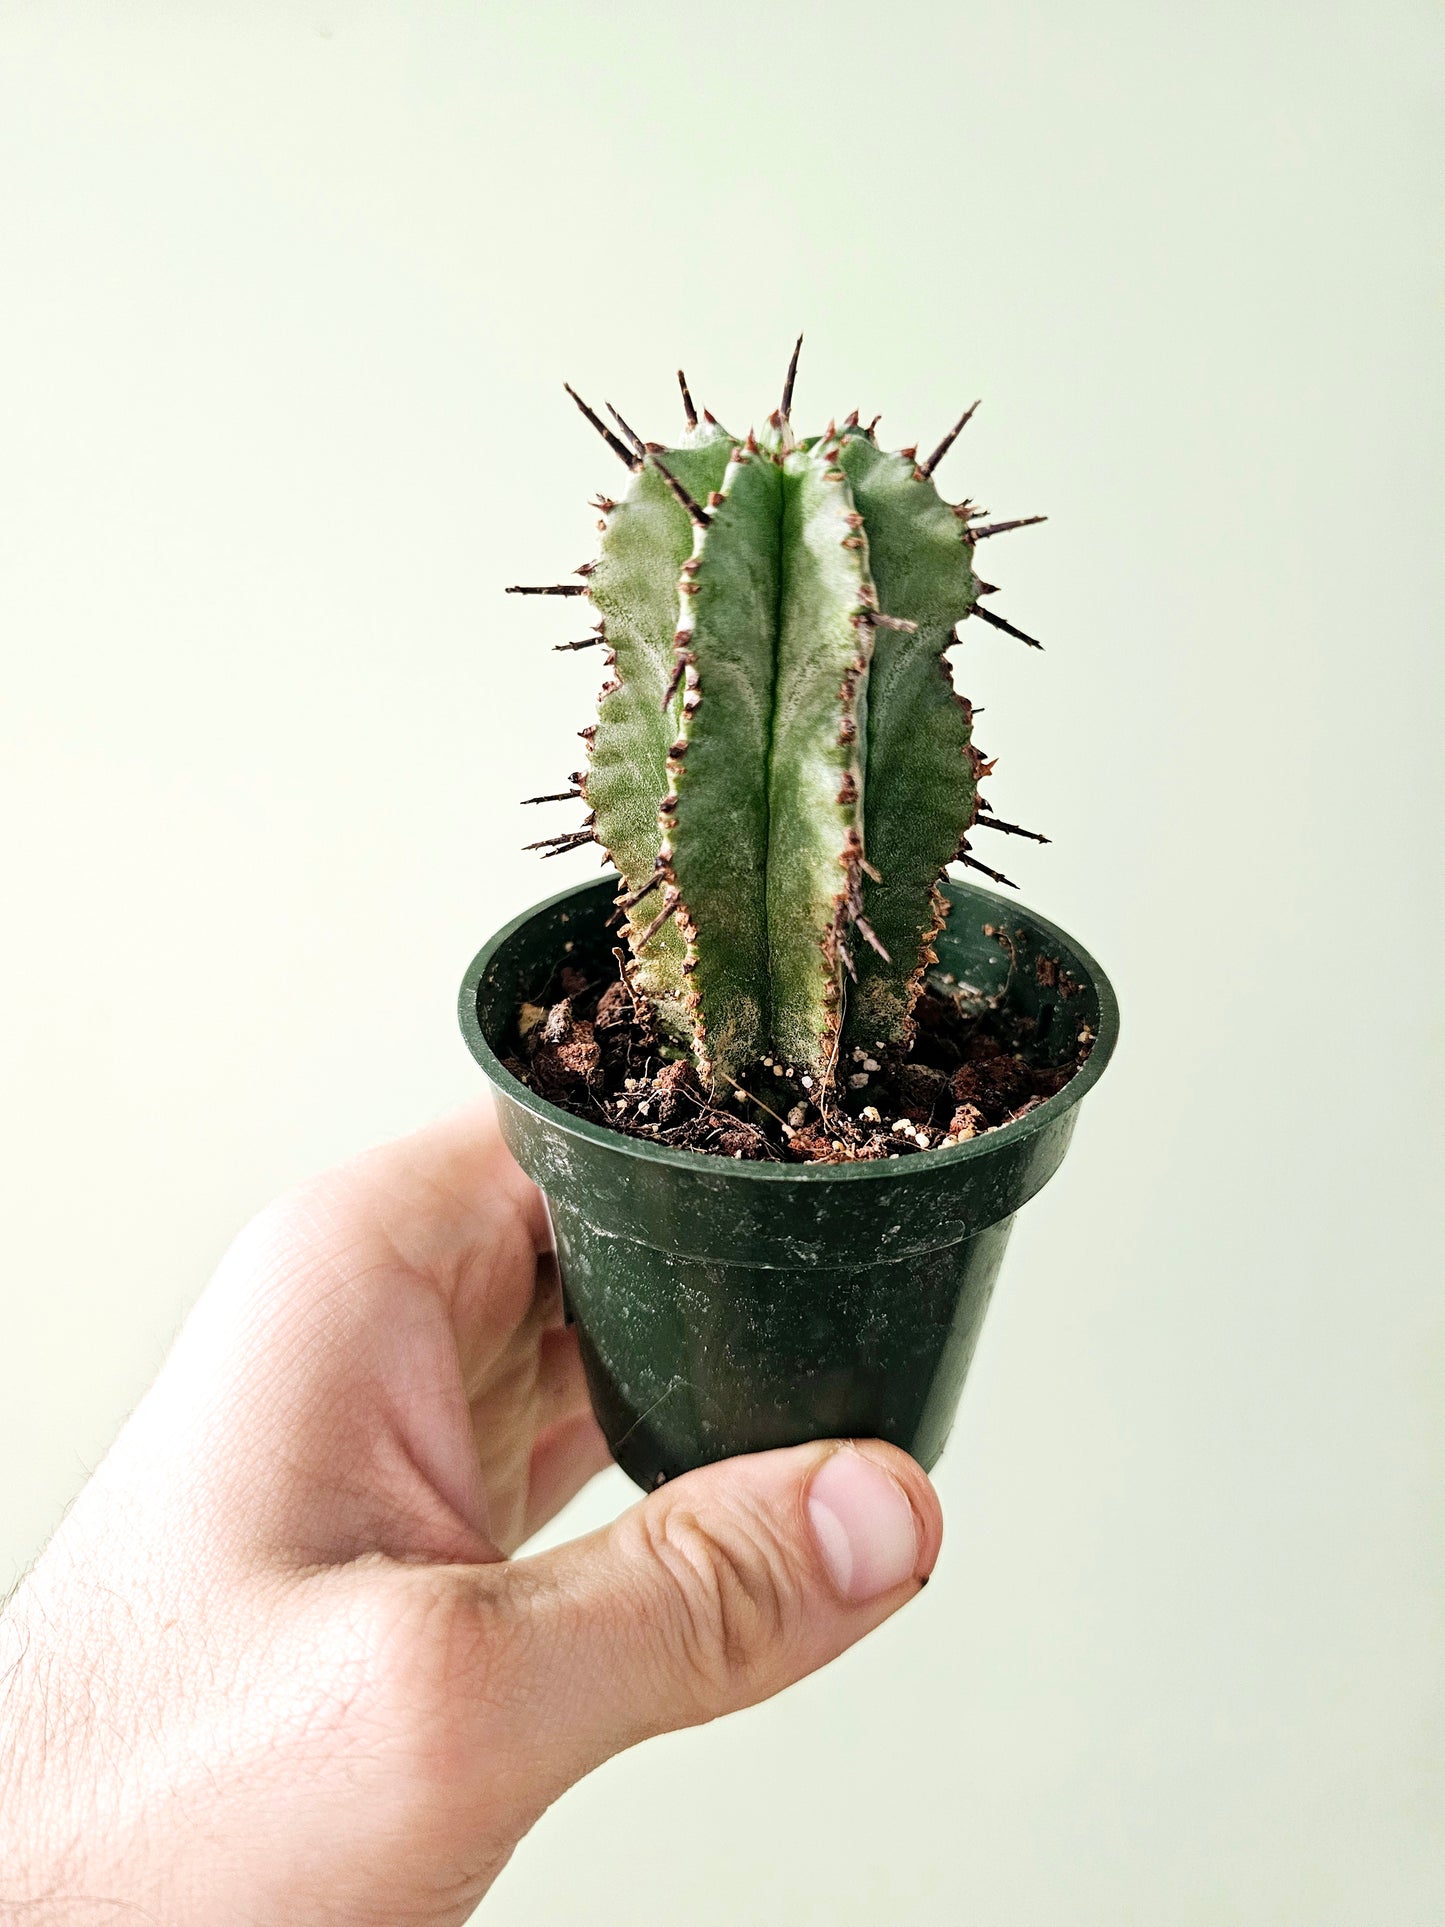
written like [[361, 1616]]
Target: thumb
[[712, 1594]]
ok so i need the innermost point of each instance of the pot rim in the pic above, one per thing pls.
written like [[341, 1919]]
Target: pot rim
[[749, 1171]]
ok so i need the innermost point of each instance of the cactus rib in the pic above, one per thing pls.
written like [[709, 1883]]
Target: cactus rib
[[634, 588]]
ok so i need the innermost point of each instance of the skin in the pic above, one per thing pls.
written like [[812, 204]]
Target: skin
[[278, 1664]]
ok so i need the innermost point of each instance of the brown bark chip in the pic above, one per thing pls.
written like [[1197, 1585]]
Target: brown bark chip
[[967, 1121], [557, 1024], [614, 1007], [677, 1092]]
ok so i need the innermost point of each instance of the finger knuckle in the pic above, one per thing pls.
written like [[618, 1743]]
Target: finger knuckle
[[734, 1600]]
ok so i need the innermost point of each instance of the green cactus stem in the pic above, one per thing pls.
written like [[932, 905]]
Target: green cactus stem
[[780, 768]]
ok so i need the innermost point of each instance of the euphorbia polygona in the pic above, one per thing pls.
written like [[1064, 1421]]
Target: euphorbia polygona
[[780, 768]]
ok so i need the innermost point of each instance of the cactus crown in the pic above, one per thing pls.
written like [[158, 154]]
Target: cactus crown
[[780, 768]]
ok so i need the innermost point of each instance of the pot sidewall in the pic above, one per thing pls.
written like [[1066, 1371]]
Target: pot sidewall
[[725, 1306]]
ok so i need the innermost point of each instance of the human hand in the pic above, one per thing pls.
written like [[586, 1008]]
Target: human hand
[[277, 1665]]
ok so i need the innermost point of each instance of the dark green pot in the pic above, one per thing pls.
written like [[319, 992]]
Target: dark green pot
[[728, 1306]]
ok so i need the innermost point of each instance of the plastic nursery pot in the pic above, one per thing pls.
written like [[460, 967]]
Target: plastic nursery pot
[[727, 1306]]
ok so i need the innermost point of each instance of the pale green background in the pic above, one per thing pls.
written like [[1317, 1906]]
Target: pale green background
[[289, 293]]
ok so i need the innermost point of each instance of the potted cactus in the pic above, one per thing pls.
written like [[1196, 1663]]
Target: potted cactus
[[783, 1081]]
